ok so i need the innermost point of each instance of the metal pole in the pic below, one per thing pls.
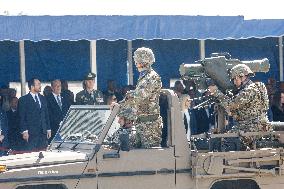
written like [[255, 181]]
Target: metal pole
[[202, 49], [22, 67], [93, 57], [221, 118], [129, 63], [281, 57]]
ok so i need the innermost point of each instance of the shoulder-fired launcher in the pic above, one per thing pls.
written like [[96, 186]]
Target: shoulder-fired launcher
[[217, 70]]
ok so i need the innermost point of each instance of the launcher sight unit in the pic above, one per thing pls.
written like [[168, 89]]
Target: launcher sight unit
[[216, 70]]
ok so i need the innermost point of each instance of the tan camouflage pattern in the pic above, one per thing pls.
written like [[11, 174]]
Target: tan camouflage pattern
[[145, 100], [240, 70], [144, 56], [248, 107], [127, 113]]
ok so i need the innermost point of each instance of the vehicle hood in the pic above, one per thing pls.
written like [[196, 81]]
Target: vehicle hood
[[41, 158]]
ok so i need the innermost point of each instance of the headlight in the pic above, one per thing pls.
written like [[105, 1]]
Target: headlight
[[3, 168]]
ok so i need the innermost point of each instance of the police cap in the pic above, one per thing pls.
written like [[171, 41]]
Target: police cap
[[90, 76]]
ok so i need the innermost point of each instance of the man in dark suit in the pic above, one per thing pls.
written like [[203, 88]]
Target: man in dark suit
[[34, 119], [3, 133], [57, 106], [205, 119], [14, 133]]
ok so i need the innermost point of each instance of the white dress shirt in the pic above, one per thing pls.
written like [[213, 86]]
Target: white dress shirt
[[186, 113], [33, 95]]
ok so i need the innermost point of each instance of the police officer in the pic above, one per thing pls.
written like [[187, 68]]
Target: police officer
[[249, 105], [89, 96], [145, 100]]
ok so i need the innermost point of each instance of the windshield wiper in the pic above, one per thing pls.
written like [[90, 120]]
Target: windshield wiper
[[74, 146], [58, 146]]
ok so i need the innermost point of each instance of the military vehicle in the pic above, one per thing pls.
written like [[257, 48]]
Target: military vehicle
[[81, 156]]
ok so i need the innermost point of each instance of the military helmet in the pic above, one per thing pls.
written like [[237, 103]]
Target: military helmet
[[144, 56], [241, 70], [127, 113]]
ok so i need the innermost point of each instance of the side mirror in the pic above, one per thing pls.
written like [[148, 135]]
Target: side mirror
[[124, 142]]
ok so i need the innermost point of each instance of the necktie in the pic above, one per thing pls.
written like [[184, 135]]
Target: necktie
[[59, 101], [37, 101]]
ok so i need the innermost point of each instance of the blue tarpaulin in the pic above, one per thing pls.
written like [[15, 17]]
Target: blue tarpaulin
[[56, 46], [37, 28]]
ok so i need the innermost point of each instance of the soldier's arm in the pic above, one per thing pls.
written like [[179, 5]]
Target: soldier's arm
[[263, 92], [147, 87], [240, 100]]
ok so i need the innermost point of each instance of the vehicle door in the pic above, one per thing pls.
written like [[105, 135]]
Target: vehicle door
[[136, 168]]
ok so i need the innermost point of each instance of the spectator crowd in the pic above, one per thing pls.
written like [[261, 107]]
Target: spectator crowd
[[31, 122]]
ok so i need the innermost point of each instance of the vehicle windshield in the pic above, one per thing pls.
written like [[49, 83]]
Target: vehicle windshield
[[82, 124]]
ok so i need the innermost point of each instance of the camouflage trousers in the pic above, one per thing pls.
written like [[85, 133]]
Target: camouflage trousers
[[249, 141], [148, 134]]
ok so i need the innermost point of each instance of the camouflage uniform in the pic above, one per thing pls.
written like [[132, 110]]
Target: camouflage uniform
[[85, 98], [122, 130], [128, 115], [145, 100], [248, 107]]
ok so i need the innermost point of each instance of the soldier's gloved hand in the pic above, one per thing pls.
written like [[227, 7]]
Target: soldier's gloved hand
[[129, 94], [212, 89], [112, 105]]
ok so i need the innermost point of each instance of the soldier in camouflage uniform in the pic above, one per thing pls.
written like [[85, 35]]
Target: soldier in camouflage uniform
[[248, 106], [145, 100], [126, 118], [89, 96]]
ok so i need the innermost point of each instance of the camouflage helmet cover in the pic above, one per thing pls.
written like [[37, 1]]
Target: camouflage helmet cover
[[127, 113], [241, 70], [144, 56]]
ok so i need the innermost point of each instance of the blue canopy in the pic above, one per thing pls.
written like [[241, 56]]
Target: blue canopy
[[37, 28], [56, 46]]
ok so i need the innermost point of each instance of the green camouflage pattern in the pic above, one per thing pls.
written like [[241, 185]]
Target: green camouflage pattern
[[145, 101]]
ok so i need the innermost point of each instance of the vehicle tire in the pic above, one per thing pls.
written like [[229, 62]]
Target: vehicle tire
[[43, 186], [235, 184]]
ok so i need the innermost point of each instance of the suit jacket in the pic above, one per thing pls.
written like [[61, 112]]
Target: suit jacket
[[56, 114], [14, 133], [278, 115], [203, 120], [4, 128], [32, 117], [193, 123]]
